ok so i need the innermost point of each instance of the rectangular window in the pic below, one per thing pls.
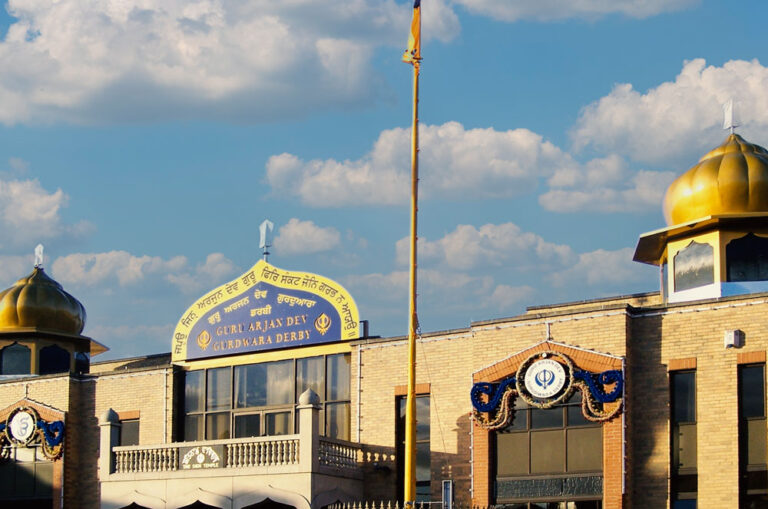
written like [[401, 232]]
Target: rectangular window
[[129, 432], [683, 441], [753, 465], [423, 460], [556, 440], [260, 399]]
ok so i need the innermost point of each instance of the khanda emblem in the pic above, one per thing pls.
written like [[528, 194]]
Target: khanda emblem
[[323, 323], [203, 339], [544, 378]]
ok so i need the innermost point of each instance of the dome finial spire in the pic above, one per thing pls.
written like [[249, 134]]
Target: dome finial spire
[[730, 120], [39, 256]]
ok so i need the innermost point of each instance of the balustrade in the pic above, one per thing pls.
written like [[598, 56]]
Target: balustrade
[[238, 453]]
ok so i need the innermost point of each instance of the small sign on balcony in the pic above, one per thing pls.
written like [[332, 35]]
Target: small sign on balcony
[[193, 458]]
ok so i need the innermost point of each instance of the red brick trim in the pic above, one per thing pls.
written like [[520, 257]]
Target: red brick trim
[[681, 364], [613, 457], [751, 357], [44, 411], [128, 415], [402, 390]]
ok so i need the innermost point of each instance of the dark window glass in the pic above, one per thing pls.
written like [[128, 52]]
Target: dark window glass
[[277, 423], [584, 451], [512, 454], [548, 451], [16, 360], [549, 418], [82, 362], [260, 399], [310, 375], [338, 377], [250, 385], [280, 383], [270, 383], [53, 359], [746, 258], [129, 432], [683, 445], [26, 474], [193, 428], [753, 461], [423, 459], [694, 266], [573, 411], [337, 421], [751, 391], [219, 390], [247, 425], [520, 420], [194, 391], [684, 394], [540, 447], [217, 426]]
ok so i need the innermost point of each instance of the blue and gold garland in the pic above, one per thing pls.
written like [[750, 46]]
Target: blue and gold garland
[[50, 435], [497, 399]]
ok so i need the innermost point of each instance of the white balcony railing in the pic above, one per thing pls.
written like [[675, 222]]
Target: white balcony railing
[[237, 453]]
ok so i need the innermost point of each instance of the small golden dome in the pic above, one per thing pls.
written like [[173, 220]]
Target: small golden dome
[[38, 302], [731, 179]]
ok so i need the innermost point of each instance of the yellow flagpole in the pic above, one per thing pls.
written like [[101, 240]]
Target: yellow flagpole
[[410, 405], [412, 56]]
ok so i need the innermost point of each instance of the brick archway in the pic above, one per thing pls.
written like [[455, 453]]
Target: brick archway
[[613, 440]]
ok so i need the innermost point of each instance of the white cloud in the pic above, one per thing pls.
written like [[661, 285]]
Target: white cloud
[[602, 268], [547, 10], [605, 185], [298, 236], [454, 163], [90, 269], [216, 269], [678, 120], [30, 214], [109, 61], [490, 245], [123, 340], [14, 267], [124, 269], [18, 166], [508, 297]]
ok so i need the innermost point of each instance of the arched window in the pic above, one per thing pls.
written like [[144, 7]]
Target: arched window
[[694, 266], [15, 359], [53, 359], [82, 362], [746, 258]]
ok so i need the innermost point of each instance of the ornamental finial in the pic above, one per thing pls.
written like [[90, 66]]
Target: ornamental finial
[[265, 242], [39, 255], [730, 120]]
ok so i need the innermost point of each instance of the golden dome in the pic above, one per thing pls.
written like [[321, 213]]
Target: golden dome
[[731, 179], [38, 302]]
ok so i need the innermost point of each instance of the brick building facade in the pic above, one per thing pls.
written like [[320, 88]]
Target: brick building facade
[[655, 400]]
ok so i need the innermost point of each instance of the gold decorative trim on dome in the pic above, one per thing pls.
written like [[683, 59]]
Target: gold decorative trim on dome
[[730, 179]]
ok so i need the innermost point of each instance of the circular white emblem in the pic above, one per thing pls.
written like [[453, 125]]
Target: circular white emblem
[[545, 378], [22, 426]]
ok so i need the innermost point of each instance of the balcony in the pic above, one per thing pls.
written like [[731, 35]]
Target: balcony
[[304, 470]]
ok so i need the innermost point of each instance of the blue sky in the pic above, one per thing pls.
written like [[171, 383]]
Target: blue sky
[[142, 143]]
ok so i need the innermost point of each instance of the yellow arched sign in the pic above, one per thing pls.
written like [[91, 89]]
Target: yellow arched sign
[[266, 309]]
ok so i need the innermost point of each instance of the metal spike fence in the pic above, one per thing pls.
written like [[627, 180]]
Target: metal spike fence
[[389, 504]]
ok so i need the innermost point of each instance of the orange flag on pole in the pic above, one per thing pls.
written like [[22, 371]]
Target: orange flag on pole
[[413, 54]]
